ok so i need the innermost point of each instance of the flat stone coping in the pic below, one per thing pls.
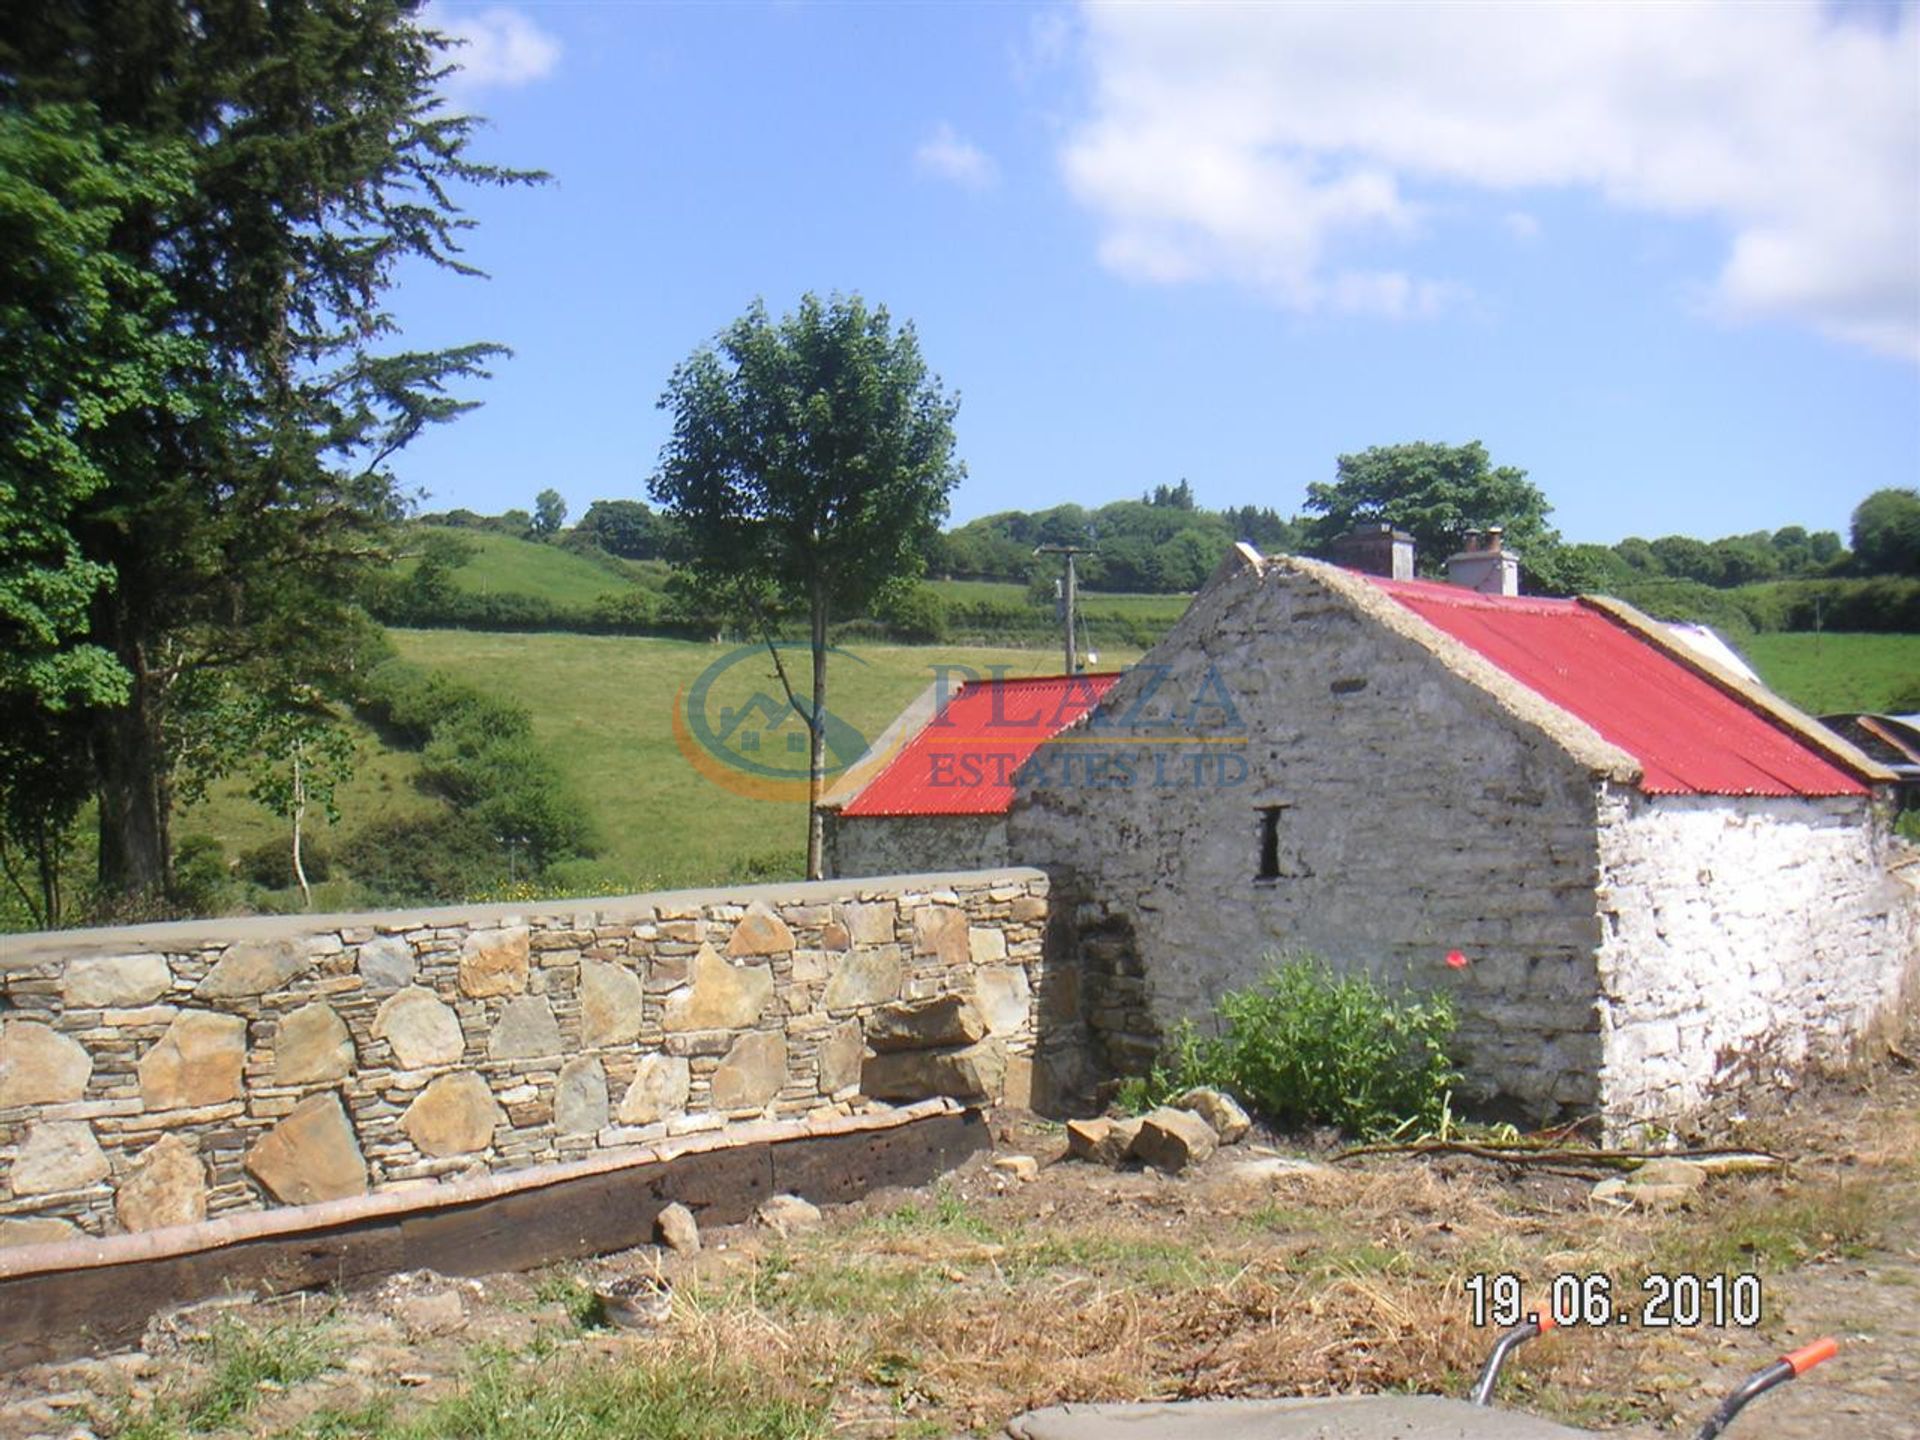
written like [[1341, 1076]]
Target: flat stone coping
[[176, 935], [19, 1261]]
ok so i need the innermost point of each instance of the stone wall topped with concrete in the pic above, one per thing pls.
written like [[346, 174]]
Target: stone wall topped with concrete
[[159, 1075]]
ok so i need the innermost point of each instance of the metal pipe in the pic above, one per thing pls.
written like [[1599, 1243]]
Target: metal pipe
[[1782, 1370], [1511, 1340]]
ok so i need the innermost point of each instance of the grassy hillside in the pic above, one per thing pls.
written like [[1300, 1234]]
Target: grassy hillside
[[603, 707], [1823, 673], [503, 565]]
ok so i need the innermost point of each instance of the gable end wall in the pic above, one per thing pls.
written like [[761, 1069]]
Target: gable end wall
[[1421, 815]]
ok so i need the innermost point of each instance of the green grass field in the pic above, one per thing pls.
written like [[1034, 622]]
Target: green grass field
[[603, 707], [1094, 604], [502, 565], [1828, 672]]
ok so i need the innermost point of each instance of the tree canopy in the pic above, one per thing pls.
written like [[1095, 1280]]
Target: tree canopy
[[807, 472], [1434, 492], [627, 528], [549, 514], [1886, 532], [261, 172]]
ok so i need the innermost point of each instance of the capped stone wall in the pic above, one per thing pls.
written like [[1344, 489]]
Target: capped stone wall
[[158, 1075]]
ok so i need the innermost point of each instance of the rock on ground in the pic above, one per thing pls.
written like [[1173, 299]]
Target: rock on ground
[[1219, 1109], [788, 1215], [1020, 1167], [1174, 1140], [678, 1230], [1102, 1141]]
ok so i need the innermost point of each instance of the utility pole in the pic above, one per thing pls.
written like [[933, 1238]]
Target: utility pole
[[1068, 597]]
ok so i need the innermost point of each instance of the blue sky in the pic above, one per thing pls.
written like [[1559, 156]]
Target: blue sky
[[1664, 258]]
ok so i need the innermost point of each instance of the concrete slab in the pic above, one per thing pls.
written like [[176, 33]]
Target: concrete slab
[[1375, 1417]]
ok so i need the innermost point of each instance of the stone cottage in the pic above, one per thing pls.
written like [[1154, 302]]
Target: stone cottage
[[1644, 879]]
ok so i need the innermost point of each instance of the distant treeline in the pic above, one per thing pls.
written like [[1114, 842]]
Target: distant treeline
[[1165, 544]]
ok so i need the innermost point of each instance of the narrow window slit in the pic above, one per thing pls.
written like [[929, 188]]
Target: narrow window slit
[[1269, 842]]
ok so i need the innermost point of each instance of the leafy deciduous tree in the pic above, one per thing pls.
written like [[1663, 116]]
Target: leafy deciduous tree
[[1436, 493], [549, 514], [810, 463], [83, 342], [1886, 533], [301, 756], [627, 528]]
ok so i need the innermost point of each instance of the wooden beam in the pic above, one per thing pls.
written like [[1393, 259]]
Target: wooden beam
[[50, 1314]]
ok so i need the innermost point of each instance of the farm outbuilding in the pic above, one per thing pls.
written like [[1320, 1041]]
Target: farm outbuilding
[[1646, 879], [936, 792]]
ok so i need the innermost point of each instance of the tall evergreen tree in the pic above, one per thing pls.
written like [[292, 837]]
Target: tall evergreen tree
[[237, 529]]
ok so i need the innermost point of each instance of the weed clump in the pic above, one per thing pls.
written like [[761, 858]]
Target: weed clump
[[1309, 1046]]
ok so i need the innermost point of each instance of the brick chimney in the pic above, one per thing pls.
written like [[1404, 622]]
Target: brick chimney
[[1486, 565], [1376, 549]]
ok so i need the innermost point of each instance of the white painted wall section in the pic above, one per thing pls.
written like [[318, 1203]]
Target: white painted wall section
[[1741, 938]]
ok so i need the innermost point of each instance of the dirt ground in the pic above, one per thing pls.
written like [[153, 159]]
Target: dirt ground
[[1272, 1269]]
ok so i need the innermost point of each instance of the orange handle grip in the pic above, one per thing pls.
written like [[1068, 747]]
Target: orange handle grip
[[1808, 1356]]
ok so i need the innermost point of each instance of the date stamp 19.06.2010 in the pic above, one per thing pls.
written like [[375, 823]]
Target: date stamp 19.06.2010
[[1659, 1302]]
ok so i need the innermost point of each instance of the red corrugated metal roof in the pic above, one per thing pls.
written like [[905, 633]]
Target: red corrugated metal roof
[[1690, 736], [963, 761]]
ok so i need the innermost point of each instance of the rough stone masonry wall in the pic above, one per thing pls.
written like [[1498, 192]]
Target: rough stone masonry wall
[[161, 1074], [1743, 937], [906, 844], [1417, 817]]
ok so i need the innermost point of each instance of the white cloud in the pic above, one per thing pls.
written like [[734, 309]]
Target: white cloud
[[946, 155], [1521, 226], [1260, 144], [503, 48]]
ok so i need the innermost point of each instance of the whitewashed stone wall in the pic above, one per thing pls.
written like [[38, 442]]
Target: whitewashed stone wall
[[1742, 938], [1420, 815], [904, 844], [161, 1074]]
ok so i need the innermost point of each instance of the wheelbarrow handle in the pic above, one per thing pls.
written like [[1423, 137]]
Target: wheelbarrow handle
[[1797, 1362], [1509, 1341]]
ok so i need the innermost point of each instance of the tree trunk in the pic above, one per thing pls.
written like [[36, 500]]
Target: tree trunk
[[299, 816], [135, 857], [817, 738]]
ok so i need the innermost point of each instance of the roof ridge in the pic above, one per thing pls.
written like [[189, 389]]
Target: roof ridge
[[1578, 739]]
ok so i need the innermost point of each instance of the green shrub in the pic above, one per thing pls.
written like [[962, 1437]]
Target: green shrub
[[201, 884], [1310, 1046], [915, 614], [270, 863], [479, 755], [411, 859]]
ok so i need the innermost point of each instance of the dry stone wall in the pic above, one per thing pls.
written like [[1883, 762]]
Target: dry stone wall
[[160, 1075]]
